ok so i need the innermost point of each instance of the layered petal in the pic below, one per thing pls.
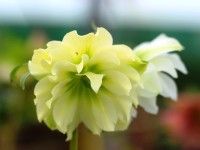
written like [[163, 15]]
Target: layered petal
[[160, 45], [40, 64], [86, 79]]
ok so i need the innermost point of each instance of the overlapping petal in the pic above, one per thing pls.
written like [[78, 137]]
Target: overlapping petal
[[85, 79], [156, 79]]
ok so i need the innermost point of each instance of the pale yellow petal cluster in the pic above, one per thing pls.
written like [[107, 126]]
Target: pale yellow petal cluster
[[85, 79]]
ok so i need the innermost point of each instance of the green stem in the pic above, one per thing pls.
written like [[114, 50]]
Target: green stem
[[74, 142]]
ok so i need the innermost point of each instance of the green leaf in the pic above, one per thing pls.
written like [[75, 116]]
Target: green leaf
[[14, 72], [23, 80]]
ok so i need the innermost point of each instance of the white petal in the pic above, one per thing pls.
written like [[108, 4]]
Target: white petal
[[164, 64], [149, 104], [177, 62], [161, 45], [151, 80], [169, 87]]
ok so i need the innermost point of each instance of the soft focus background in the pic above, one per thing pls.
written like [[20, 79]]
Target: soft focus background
[[28, 24]]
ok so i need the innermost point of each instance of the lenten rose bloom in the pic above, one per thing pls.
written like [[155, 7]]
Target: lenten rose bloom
[[162, 66], [85, 79]]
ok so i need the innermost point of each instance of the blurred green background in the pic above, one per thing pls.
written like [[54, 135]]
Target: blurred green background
[[28, 25]]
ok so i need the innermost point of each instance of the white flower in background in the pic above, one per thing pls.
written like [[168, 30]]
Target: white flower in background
[[162, 66]]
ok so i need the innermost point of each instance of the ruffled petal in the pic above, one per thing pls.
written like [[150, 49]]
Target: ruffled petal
[[42, 93], [79, 44], [59, 51], [161, 45], [101, 40], [40, 64]]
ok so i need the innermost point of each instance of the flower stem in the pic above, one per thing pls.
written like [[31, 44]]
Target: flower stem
[[74, 142]]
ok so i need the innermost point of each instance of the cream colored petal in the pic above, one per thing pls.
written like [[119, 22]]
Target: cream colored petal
[[84, 61], [169, 87], [124, 53], [86, 114], [122, 124], [130, 72], [64, 110], [95, 80], [109, 106], [133, 95], [101, 116], [40, 64], [117, 82], [58, 90], [101, 40], [122, 104], [49, 121], [160, 45], [58, 51], [63, 70], [43, 94], [102, 61], [73, 126], [79, 44]]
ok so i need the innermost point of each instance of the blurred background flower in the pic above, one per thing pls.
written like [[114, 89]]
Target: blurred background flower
[[182, 120], [26, 25]]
